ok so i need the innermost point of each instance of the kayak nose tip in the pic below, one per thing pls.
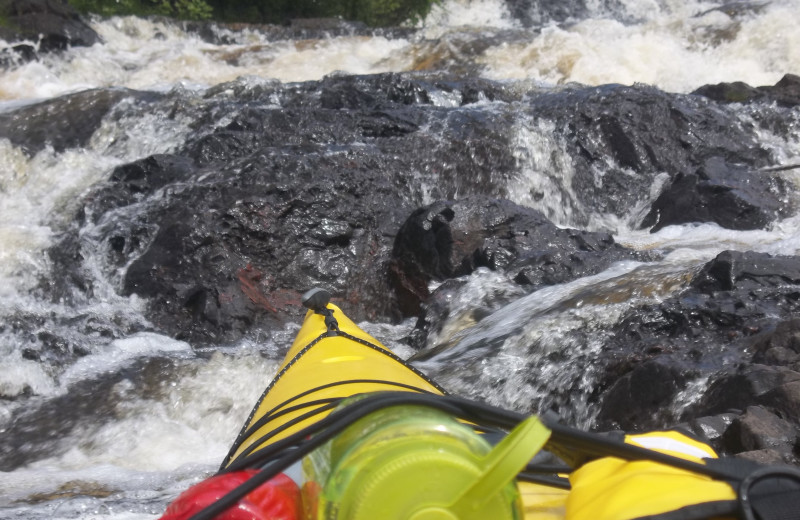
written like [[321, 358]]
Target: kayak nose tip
[[316, 299]]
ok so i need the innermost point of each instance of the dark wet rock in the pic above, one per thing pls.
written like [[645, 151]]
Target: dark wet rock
[[43, 26], [236, 252], [768, 456], [748, 271], [642, 398], [759, 429], [750, 385], [611, 126], [434, 311], [220, 257], [448, 239], [616, 154], [786, 399], [227, 232], [55, 341], [712, 428], [728, 304], [283, 187], [540, 12], [17, 54], [224, 234], [730, 310], [141, 179], [737, 9], [780, 346], [65, 122], [762, 410], [785, 92], [735, 92], [733, 197], [779, 356]]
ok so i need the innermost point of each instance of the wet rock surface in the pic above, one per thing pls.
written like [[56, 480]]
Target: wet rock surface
[[451, 239], [641, 399], [693, 144], [781, 346], [35, 26], [65, 122], [251, 213], [734, 299], [312, 188], [785, 92], [759, 429], [379, 188], [732, 197], [736, 319], [540, 12], [700, 359]]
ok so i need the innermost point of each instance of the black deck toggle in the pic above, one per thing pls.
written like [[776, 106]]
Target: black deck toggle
[[317, 300]]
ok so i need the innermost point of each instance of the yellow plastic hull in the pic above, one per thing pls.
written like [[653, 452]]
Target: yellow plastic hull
[[321, 367]]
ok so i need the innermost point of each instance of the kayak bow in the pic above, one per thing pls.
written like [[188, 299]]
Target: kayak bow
[[376, 438]]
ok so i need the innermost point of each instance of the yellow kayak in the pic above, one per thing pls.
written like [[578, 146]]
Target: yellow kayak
[[320, 368], [376, 438]]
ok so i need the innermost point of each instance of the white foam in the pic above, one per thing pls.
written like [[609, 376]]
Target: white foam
[[453, 14], [545, 171], [18, 375], [39, 195], [672, 47], [120, 352], [674, 51], [708, 239], [159, 444], [193, 421], [150, 55]]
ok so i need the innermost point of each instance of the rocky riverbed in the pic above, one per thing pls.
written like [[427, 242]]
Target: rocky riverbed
[[623, 255]]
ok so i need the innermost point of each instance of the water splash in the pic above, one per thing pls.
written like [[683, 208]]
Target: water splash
[[704, 241], [147, 54], [545, 172], [677, 50], [160, 442], [39, 195], [452, 14], [677, 46], [539, 351]]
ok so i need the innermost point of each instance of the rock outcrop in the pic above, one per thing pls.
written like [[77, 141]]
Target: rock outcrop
[[36, 26]]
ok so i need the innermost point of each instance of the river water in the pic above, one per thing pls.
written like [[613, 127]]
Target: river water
[[153, 435]]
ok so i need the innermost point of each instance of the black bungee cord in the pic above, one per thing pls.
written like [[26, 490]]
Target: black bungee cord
[[278, 456]]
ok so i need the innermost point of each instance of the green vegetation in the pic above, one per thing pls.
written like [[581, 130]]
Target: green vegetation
[[183, 9], [375, 13]]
